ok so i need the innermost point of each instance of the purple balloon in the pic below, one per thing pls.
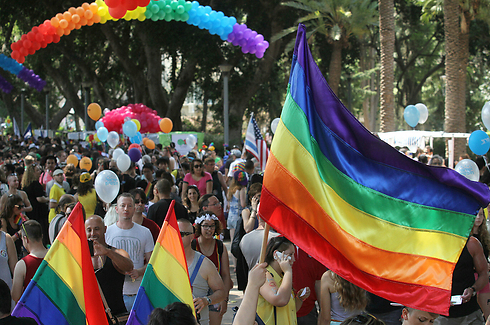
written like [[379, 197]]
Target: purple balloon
[[247, 33], [231, 37], [134, 154], [259, 38]]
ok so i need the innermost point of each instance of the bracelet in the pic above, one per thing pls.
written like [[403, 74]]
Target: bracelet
[[474, 291], [208, 300]]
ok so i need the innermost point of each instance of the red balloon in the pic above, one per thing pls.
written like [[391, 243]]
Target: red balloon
[[135, 145], [112, 3], [143, 3], [117, 12]]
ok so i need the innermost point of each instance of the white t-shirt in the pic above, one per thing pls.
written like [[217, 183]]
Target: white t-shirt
[[136, 241], [232, 166]]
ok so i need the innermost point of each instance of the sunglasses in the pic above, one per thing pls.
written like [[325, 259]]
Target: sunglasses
[[365, 319], [138, 201], [185, 234], [19, 206], [197, 166]]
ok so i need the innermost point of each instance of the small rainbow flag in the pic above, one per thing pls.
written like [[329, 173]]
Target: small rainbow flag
[[20, 219], [160, 286], [64, 289], [381, 220]]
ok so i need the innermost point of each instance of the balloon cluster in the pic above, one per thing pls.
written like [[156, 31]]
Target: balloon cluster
[[5, 86], [118, 8], [148, 119], [100, 12], [250, 41], [51, 30], [12, 66], [415, 114], [105, 15]]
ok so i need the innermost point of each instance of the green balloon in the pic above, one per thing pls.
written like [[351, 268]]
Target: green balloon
[[180, 142]]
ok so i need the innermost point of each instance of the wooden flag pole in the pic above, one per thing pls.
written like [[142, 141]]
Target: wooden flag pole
[[264, 243]]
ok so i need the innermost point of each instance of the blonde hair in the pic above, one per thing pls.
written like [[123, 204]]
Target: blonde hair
[[351, 297]]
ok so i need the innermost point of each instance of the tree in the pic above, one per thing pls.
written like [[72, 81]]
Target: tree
[[387, 41]]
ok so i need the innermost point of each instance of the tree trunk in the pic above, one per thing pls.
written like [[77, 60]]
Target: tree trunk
[[387, 40], [454, 112], [335, 66], [367, 62], [204, 120]]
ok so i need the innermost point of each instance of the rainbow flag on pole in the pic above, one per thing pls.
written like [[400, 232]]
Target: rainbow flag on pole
[[381, 220], [166, 278], [64, 289]]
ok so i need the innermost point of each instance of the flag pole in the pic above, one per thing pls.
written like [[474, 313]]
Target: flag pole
[[264, 243]]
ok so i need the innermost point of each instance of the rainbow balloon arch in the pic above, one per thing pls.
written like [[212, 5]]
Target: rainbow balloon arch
[[192, 13]]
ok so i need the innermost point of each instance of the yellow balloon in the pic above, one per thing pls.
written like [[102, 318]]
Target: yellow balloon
[[96, 138], [86, 163], [94, 111], [72, 159], [138, 124]]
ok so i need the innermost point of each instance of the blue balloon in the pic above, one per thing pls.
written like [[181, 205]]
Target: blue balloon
[[130, 129], [479, 142], [411, 115], [102, 134], [136, 139], [99, 124]]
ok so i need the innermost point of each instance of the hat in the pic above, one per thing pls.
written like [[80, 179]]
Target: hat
[[32, 145], [57, 172], [240, 178], [85, 177], [236, 152]]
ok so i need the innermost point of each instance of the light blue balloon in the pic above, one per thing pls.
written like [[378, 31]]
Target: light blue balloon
[[479, 142], [99, 124], [130, 129], [136, 139], [411, 115], [102, 134]]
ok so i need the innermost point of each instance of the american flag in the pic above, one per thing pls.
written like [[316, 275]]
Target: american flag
[[255, 143]]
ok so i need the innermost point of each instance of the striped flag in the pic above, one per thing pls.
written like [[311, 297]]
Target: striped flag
[[166, 278], [255, 143], [379, 219], [64, 289]]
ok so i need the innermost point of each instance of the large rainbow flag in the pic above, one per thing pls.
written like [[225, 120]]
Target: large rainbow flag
[[166, 278], [381, 220], [64, 289]]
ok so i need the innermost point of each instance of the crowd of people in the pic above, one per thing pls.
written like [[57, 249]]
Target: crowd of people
[[216, 199]]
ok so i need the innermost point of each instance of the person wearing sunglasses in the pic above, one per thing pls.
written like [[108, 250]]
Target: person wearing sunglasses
[[202, 179], [12, 218], [139, 213], [203, 275], [207, 228], [14, 186]]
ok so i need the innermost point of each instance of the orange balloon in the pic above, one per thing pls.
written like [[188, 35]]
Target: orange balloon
[[150, 144], [144, 140], [72, 159], [166, 125], [86, 163], [94, 111]]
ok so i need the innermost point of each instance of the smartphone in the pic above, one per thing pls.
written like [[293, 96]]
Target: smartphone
[[280, 255], [91, 247]]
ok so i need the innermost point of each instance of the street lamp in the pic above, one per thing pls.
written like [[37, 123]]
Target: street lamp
[[225, 71], [86, 87], [47, 111], [22, 105]]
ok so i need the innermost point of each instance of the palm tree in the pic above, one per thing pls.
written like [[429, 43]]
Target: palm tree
[[387, 40], [338, 20]]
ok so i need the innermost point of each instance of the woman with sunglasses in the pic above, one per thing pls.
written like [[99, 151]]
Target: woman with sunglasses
[[278, 303], [340, 299], [12, 219], [197, 176], [191, 202], [207, 227], [139, 212]]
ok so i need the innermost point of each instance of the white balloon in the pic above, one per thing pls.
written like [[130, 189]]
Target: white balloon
[[123, 162], [274, 124], [107, 185], [191, 141], [106, 110], [424, 112], [469, 169], [113, 139], [485, 115], [117, 153]]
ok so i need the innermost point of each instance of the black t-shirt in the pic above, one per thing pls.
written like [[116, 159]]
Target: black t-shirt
[[11, 320], [158, 211]]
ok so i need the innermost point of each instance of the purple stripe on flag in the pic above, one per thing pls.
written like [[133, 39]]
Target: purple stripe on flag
[[22, 311], [142, 309]]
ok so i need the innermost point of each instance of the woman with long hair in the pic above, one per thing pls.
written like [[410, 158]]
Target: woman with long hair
[[12, 218], [86, 193], [340, 299], [480, 232], [37, 197], [191, 202], [207, 228], [197, 176], [278, 303], [237, 199]]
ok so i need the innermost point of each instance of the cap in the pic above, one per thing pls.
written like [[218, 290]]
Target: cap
[[85, 177], [240, 178], [57, 172]]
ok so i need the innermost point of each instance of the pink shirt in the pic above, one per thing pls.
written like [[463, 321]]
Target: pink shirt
[[45, 178], [201, 184]]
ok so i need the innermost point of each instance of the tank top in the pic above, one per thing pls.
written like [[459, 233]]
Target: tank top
[[215, 258], [111, 283], [199, 288], [463, 277], [337, 312], [18, 243], [89, 201], [32, 263], [217, 189], [4, 261]]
